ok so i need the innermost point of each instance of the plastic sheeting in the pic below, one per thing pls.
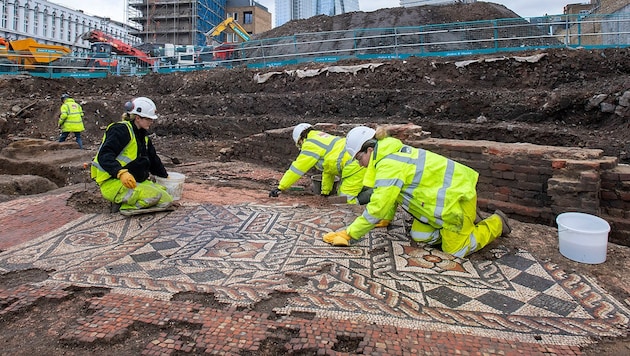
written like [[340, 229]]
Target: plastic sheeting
[[307, 73]]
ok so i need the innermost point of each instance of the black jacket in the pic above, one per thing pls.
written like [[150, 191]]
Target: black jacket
[[116, 139]]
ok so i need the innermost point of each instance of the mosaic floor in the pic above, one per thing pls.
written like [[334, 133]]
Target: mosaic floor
[[244, 253]]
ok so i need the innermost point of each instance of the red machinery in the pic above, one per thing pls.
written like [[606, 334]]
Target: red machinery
[[119, 46]]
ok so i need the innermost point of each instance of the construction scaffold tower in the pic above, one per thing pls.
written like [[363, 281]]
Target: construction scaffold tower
[[180, 22]]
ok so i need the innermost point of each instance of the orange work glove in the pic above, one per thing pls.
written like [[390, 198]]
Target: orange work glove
[[126, 178], [383, 223], [338, 238]]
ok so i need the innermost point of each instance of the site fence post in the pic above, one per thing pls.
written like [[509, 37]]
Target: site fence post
[[495, 26]]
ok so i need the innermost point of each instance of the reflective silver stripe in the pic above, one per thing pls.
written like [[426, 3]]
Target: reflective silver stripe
[[310, 154], [327, 147], [417, 178], [388, 183], [472, 247], [98, 166], [320, 159], [441, 197], [67, 121], [424, 220], [340, 160], [371, 219], [296, 171], [429, 237], [123, 158], [127, 196], [407, 193]]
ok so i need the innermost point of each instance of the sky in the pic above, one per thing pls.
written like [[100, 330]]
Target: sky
[[115, 9]]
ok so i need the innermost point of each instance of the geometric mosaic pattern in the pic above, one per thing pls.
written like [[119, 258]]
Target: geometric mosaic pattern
[[243, 253]]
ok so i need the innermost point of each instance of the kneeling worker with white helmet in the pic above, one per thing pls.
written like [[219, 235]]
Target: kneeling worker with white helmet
[[327, 154], [126, 159], [439, 193]]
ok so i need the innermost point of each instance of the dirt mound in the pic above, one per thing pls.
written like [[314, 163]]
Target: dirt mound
[[393, 17]]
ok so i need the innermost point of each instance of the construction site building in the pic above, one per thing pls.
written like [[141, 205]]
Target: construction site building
[[182, 22], [252, 16], [50, 23]]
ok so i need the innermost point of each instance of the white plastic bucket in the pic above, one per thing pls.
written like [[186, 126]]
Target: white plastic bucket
[[174, 184], [583, 237]]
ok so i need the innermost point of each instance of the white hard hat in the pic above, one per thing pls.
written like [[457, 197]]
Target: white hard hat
[[142, 106], [298, 129], [357, 137]]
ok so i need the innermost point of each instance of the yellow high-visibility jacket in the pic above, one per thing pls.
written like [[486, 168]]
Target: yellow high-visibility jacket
[[323, 151], [128, 154], [71, 117], [427, 185]]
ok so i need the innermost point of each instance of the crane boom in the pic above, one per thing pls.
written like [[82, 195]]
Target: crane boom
[[119, 46], [231, 24]]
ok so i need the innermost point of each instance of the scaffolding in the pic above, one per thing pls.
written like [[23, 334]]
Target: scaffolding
[[180, 22]]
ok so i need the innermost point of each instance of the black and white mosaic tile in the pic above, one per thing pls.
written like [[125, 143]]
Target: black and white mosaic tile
[[243, 253]]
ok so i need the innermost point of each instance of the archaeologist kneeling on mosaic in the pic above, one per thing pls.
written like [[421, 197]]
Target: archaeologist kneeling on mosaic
[[125, 159], [326, 153], [439, 193]]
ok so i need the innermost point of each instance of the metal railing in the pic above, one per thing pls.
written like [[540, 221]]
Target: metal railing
[[452, 39]]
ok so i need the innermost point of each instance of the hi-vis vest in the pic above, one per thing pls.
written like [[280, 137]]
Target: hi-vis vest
[[320, 150], [71, 118], [127, 155], [427, 185]]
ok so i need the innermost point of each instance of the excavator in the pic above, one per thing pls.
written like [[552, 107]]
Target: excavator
[[28, 54], [101, 40], [223, 51]]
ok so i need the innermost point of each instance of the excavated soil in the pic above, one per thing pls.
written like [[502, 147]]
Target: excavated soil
[[208, 117]]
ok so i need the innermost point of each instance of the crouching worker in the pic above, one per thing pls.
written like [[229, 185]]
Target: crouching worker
[[327, 154], [439, 193], [125, 160]]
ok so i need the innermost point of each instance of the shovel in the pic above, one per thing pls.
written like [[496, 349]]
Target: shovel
[[174, 160]]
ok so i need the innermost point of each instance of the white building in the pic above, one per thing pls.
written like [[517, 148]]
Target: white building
[[287, 10], [410, 3], [50, 23]]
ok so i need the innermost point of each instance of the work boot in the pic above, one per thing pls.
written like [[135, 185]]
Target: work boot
[[506, 229], [114, 208]]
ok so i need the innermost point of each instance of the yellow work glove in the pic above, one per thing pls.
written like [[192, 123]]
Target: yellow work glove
[[127, 179], [383, 223], [338, 238]]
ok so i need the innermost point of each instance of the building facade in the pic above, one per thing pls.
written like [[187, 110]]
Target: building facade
[[55, 24], [287, 10], [252, 16], [185, 22], [172, 21]]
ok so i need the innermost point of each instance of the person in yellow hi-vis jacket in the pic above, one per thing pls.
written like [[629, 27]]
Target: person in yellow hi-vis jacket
[[439, 193], [327, 154], [125, 160], [70, 119]]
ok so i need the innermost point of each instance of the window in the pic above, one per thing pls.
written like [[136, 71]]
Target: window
[[5, 14], [26, 19], [36, 20], [15, 16], [46, 18], [235, 16], [248, 17]]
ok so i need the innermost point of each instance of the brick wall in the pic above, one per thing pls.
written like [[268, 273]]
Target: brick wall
[[531, 183], [534, 183]]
